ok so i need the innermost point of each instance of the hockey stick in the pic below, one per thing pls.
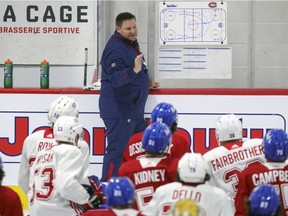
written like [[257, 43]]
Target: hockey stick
[[85, 67]]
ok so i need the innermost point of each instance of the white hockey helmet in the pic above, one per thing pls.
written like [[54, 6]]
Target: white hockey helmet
[[228, 127], [63, 105], [66, 128], [192, 168]]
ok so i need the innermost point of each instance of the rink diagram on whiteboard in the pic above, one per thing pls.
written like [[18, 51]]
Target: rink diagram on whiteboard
[[192, 23]]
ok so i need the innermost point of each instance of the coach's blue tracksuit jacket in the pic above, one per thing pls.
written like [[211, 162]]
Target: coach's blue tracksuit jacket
[[123, 93]]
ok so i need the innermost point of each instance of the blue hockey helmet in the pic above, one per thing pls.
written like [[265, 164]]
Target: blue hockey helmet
[[264, 200], [275, 145], [120, 191], [164, 113], [156, 138]]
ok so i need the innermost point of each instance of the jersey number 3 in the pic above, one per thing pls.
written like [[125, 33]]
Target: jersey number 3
[[45, 191]]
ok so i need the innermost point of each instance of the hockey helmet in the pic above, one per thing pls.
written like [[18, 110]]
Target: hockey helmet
[[120, 191], [156, 138], [66, 128], [192, 168], [63, 105], [264, 200], [164, 113], [275, 145], [228, 127]]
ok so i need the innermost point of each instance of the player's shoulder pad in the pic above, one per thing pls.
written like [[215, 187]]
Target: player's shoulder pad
[[215, 152], [252, 142]]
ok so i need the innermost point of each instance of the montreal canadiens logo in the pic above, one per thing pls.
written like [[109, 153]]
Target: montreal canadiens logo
[[212, 4]]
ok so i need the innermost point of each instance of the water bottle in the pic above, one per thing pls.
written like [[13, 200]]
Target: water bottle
[[44, 74], [8, 74]]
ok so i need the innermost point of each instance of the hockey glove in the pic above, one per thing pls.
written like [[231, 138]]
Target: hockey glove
[[95, 190]]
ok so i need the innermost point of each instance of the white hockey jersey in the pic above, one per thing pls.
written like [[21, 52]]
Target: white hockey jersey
[[226, 163], [58, 172], [39, 141], [213, 201]]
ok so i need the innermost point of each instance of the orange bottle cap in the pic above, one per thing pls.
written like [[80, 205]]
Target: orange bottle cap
[[44, 62], [8, 61]]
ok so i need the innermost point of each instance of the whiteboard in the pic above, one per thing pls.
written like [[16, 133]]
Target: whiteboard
[[195, 62], [57, 31], [185, 23]]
